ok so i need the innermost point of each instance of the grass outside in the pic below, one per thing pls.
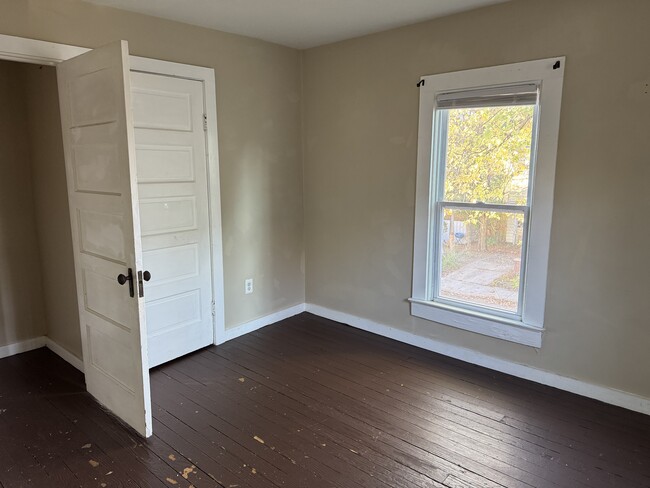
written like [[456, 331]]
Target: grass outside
[[453, 260], [509, 281]]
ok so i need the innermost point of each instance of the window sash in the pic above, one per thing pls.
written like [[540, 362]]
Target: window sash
[[491, 207], [435, 266], [439, 151]]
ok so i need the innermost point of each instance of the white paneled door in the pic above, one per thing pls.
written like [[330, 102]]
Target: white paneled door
[[170, 142], [94, 93]]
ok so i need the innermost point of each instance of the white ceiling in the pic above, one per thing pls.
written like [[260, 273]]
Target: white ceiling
[[298, 23]]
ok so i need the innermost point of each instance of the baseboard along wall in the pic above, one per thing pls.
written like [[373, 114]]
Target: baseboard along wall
[[37, 343], [21, 346], [258, 323], [612, 396], [64, 354]]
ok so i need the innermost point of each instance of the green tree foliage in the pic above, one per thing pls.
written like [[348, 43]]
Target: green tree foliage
[[488, 149], [488, 158]]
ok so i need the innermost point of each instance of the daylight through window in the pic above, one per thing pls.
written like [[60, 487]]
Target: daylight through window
[[487, 145]]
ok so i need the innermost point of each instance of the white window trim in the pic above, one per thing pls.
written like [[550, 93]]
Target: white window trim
[[529, 330]]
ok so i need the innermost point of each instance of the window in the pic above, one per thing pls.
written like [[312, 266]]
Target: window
[[486, 165]]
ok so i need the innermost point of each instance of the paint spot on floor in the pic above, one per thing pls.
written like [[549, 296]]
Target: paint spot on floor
[[93, 463], [259, 439], [242, 380], [86, 446], [172, 457], [172, 481], [188, 471]]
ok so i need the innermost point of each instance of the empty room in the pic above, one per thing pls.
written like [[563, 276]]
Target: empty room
[[325, 243]]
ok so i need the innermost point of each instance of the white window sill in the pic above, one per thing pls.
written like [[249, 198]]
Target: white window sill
[[480, 323]]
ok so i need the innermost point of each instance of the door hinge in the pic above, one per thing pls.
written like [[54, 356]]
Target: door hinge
[[205, 122], [214, 308]]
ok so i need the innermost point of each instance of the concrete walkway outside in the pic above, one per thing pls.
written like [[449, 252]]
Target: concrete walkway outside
[[473, 281]]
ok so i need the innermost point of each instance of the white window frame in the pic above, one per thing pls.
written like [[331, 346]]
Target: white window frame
[[548, 74]]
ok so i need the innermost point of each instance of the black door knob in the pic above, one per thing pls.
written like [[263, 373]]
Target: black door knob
[[142, 275], [122, 279]]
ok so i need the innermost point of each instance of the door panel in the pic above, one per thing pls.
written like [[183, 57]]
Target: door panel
[[94, 95], [166, 109], [165, 163], [172, 184], [168, 214]]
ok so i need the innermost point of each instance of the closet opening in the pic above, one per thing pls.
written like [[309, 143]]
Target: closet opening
[[110, 235], [38, 293]]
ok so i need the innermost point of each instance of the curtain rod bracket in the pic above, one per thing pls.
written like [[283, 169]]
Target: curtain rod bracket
[[420, 83], [556, 65]]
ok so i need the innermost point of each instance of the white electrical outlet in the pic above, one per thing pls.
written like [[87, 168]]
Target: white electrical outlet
[[248, 286]]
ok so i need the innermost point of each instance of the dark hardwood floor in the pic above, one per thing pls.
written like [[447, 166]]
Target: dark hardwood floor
[[312, 403]]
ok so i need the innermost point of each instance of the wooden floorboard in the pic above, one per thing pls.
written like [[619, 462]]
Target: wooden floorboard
[[312, 403]]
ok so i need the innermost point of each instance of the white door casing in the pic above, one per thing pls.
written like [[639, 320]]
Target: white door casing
[[168, 115], [26, 50], [95, 99]]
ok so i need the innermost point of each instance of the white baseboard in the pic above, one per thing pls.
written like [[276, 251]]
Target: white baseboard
[[22, 346], [37, 343], [64, 354], [612, 396], [258, 323], [604, 394]]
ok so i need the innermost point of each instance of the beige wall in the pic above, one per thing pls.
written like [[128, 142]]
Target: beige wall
[[359, 122], [360, 136], [51, 205], [258, 105], [22, 311]]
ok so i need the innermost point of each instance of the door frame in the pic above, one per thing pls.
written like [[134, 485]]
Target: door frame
[[24, 50]]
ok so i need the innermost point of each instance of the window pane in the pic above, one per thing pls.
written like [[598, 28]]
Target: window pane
[[480, 258], [488, 154]]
